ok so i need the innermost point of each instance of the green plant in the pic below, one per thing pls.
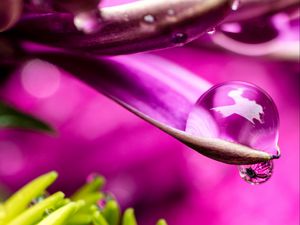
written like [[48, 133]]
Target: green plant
[[30, 206]]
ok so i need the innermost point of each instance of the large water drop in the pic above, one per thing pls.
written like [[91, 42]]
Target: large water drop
[[242, 113]]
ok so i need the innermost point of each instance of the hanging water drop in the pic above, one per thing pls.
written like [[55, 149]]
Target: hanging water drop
[[242, 113], [88, 22], [256, 173], [235, 5]]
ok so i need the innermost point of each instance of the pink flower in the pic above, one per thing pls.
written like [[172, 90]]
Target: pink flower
[[145, 168]]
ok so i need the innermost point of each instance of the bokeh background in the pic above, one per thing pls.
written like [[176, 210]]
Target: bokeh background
[[145, 168]]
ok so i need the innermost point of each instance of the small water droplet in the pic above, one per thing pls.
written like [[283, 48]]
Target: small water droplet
[[49, 211], [256, 173], [179, 38], [39, 199], [88, 22], [211, 31], [235, 5], [91, 177], [126, 17], [102, 202], [149, 19], [171, 12]]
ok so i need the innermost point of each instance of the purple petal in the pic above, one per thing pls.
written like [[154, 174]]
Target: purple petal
[[161, 98], [128, 28]]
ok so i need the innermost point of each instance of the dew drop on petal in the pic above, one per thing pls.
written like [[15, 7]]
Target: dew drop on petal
[[179, 38], [171, 12], [88, 22], [211, 31], [149, 19], [235, 5], [242, 113]]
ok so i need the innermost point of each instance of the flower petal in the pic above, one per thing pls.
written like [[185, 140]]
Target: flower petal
[[134, 27], [163, 100]]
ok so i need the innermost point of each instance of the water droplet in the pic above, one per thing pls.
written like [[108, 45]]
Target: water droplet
[[171, 12], [179, 38], [126, 17], [39, 199], [88, 22], [235, 5], [91, 177], [149, 19], [242, 113], [211, 31], [49, 211], [257, 173], [102, 202]]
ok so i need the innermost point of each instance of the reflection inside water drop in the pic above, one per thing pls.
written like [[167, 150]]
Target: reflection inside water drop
[[256, 173], [242, 113]]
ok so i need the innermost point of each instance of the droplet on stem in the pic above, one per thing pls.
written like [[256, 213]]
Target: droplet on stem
[[149, 19], [242, 113], [102, 202], [235, 5], [171, 12], [179, 38], [39, 199], [88, 22], [211, 31]]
